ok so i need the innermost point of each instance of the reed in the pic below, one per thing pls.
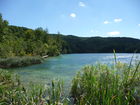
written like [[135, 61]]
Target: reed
[[12, 92], [106, 85], [13, 62], [98, 84]]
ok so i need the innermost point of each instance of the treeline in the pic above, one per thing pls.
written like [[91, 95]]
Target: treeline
[[21, 41], [101, 45]]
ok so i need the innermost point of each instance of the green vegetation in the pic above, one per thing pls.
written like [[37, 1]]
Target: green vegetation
[[12, 92], [12, 62], [21, 41], [101, 45], [104, 85], [20, 46], [94, 85]]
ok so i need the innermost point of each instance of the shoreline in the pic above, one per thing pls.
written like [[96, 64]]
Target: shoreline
[[14, 62]]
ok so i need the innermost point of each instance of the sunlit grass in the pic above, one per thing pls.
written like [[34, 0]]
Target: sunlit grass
[[106, 85], [12, 92]]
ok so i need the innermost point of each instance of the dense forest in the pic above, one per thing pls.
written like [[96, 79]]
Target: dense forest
[[101, 45], [22, 41]]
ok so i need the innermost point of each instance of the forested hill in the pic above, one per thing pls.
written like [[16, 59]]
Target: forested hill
[[101, 45], [22, 41]]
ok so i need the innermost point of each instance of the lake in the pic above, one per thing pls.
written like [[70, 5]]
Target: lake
[[66, 66]]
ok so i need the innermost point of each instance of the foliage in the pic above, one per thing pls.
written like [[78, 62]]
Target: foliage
[[105, 85], [94, 85], [12, 92], [12, 62], [101, 45], [21, 41]]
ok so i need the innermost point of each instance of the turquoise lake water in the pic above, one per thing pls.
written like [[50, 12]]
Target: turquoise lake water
[[66, 66]]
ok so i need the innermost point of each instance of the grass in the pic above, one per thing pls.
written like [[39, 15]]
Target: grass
[[98, 84], [12, 92], [106, 85], [19, 61]]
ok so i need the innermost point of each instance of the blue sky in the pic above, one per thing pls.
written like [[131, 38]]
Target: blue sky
[[76, 17]]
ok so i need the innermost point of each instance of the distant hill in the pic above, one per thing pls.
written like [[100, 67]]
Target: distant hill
[[101, 45], [75, 44]]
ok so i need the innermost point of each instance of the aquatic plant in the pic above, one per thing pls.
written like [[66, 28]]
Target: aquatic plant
[[98, 84], [106, 85], [19, 61], [12, 92]]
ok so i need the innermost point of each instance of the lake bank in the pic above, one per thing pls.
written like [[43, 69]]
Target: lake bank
[[14, 62], [94, 84]]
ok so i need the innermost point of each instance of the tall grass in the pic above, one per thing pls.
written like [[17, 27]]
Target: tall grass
[[19, 61], [12, 92], [106, 85]]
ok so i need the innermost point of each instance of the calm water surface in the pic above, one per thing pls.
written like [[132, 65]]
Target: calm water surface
[[65, 66]]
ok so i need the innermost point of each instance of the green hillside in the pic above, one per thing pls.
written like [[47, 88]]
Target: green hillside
[[22, 41], [101, 45]]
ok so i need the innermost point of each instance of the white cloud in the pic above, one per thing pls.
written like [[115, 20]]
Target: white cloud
[[106, 22], [82, 4], [118, 20], [139, 25], [113, 33], [73, 15]]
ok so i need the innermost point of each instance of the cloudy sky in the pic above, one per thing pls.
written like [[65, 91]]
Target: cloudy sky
[[76, 17]]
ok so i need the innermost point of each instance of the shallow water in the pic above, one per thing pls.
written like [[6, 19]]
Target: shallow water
[[66, 66]]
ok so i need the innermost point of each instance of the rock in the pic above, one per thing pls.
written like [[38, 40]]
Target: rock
[[46, 56]]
